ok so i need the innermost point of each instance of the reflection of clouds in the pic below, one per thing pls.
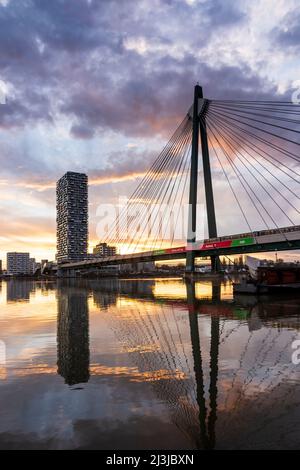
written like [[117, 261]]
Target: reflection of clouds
[[253, 366], [177, 290], [3, 373], [142, 349], [34, 370], [2, 353], [29, 332], [134, 374], [143, 323]]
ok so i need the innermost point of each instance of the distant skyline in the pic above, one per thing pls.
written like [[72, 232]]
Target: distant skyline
[[98, 87]]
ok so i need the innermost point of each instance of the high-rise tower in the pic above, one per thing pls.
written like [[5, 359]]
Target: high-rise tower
[[72, 217]]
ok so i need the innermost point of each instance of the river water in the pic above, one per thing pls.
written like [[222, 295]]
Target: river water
[[147, 364]]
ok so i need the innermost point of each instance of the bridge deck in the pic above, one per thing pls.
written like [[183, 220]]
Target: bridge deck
[[286, 238]]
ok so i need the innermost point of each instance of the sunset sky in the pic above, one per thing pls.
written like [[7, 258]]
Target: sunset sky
[[98, 86]]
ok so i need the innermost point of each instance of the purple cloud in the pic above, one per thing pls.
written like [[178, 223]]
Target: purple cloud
[[70, 57]]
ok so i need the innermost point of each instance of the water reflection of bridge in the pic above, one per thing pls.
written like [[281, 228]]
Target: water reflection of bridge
[[165, 339]]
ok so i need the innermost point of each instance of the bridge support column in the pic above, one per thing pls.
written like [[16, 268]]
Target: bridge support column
[[209, 196], [60, 272], [199, 123], [191, 235], [71, 273]]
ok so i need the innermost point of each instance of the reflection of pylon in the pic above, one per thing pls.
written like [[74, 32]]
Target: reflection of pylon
[[158, 351], [155, 339], [207, 425], [161, 366]]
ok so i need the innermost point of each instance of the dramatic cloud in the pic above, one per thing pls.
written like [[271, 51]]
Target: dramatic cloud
[[287, 34], [67, 57]]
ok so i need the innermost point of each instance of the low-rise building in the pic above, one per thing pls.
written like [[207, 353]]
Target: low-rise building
[[103, 249], [32, 265], [18, 263]]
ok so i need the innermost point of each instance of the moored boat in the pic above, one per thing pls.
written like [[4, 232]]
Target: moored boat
[[269, 277]]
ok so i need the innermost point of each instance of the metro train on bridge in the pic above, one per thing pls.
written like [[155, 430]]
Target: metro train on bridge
[[230, 241], [262, 241]]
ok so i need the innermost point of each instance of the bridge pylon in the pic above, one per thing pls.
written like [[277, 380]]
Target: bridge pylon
[[200, 106]]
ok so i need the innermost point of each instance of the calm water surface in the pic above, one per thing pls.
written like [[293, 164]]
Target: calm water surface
[[146, 364]]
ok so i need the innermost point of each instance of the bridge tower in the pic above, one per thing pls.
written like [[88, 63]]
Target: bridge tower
[[200, 106]]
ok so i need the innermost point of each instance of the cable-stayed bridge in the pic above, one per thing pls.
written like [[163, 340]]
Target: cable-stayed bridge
[[252, 148]]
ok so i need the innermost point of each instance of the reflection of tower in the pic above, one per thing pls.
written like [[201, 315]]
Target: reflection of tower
[[207, 424], [73, 335]]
